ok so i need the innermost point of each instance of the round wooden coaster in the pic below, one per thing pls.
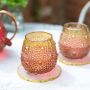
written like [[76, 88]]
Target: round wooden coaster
[[68, 61], [53, 74]]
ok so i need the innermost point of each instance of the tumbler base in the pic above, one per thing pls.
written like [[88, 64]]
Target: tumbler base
[[68, 61], [53, 74]]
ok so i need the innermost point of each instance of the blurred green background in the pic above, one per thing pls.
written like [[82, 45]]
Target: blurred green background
[[48, 11]]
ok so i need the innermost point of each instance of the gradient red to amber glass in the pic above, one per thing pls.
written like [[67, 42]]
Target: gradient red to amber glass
[[74, 40], [39, 53]]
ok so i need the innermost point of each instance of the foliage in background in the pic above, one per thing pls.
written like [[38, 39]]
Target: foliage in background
[[13, 3]]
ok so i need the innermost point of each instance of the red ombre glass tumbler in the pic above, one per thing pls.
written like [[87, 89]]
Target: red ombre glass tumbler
[[39, 57], [74, 41], [39, 53]]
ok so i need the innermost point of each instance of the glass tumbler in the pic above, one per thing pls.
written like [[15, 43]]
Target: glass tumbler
[[39, 53], [74, 40]]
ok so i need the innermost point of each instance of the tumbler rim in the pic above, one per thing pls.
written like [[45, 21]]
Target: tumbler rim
[[80, 26], [49, 34]]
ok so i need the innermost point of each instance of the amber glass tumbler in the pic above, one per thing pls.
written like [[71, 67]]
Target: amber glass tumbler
[[39, 53], [74, 40]]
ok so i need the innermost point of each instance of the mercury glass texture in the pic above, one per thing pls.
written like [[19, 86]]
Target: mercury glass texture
[[74, 40], [39, 53]]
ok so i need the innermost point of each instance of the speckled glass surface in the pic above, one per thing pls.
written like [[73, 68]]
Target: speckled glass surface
[[74, 40], [39, 53]]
